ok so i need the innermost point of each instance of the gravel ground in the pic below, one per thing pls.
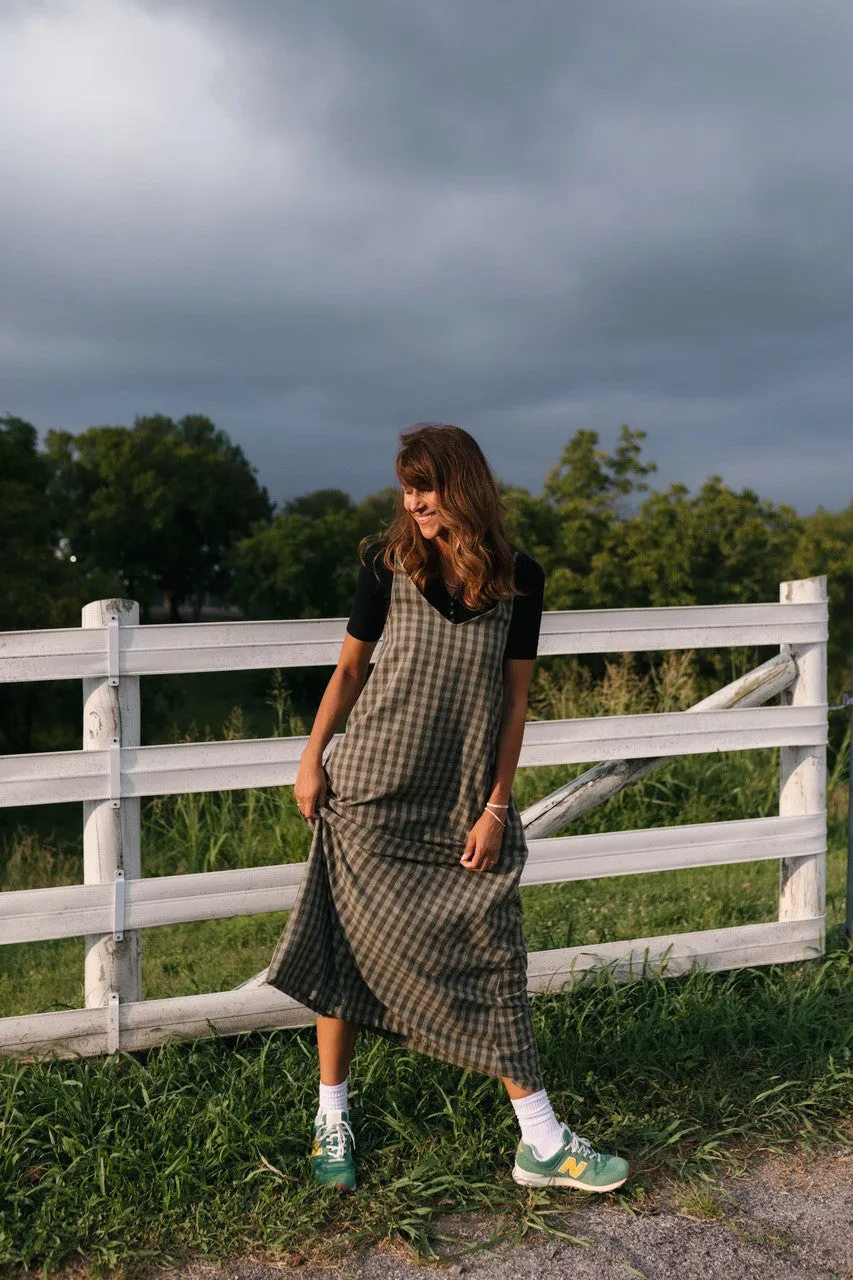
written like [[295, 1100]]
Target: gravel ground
[[791, 1218]]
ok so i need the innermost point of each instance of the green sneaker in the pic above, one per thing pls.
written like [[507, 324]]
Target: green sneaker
[[331, 1154], [574, 1164]]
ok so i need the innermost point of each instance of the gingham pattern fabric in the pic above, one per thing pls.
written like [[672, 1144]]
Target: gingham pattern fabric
[[388, 929]]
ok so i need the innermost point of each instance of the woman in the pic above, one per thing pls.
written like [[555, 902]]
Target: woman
[[408, 920]]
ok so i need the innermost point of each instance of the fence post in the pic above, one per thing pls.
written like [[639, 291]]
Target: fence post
[[111, 827], [802, 770]]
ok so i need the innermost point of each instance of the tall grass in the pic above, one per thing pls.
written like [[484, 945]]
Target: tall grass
[[201, 1147]]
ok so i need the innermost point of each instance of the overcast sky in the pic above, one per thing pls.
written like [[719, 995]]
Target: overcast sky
[[318, 221]]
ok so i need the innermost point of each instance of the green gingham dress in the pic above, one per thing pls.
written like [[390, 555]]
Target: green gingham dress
[[388, 929]]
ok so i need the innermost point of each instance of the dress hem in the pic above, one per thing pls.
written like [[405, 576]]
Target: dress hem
[[412, 1040]]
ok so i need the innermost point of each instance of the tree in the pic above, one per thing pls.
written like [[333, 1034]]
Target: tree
[[40, 584], [531, 522], [318, 503], [588, 491], [710, 548], [299, 566], [374, 512], [30, 574], [160, 503]]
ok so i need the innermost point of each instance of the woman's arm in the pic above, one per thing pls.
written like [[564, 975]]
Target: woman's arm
[[340, 695], [483, 846], [517, 676]]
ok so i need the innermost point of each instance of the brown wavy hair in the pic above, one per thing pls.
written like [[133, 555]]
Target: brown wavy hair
[[436, 456]]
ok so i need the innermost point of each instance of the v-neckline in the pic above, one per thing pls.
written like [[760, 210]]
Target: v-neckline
[[464, 621]]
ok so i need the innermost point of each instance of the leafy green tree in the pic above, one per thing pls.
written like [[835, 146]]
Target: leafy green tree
[[32, 575], [710, 548], [298, 566], [532, 522], [373, 513], [304, 564], [160, 503], [40, 584], [589, 493], [318, 503]]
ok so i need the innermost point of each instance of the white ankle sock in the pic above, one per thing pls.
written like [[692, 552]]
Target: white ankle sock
[[333, 1097], [540, 1128]]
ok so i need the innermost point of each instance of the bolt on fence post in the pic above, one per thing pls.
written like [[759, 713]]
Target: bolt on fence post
[[111, 827], [802, 770]]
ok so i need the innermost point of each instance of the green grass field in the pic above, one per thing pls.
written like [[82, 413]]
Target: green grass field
[[201, 1147]]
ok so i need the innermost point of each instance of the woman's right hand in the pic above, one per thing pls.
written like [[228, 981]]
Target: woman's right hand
[[309, 789]]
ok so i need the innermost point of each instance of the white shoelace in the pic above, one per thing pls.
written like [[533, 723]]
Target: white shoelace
[[333, 1134], [583, 1147]]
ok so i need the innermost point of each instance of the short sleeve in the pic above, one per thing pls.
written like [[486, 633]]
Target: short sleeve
[[523, 635], [370, 602]]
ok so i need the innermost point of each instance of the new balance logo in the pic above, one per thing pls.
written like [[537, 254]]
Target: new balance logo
[[571, 1168]]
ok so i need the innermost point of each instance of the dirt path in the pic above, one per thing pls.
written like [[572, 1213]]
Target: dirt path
[[790, 1219]]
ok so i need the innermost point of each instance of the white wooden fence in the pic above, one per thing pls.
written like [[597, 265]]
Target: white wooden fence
[[112, 772]]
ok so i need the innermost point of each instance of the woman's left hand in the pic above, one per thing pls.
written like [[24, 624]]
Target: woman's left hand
[[483, 846]]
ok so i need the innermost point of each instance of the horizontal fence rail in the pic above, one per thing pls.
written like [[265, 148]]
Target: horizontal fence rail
[[177, 649], [113, 773], [34, 915], [54, 776], [142, 1024]]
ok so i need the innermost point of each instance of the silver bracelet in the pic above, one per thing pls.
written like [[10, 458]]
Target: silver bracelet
[[491, 805], [496, 818]]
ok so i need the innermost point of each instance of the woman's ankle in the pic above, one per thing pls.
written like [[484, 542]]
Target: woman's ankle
[[333, 1097]]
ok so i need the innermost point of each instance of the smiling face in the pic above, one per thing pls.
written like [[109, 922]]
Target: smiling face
[[424, 509]]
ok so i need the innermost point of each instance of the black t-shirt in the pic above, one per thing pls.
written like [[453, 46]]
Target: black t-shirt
[[373, 598]]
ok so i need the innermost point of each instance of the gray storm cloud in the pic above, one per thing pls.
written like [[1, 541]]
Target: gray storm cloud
[[317, 223]]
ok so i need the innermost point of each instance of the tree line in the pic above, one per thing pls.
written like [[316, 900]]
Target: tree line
[[172, 513]]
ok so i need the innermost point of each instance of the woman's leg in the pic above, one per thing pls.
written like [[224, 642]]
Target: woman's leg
[[516, 1090], [547, 1139], [535, 1115], [332, 1151], [335, 1044]]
